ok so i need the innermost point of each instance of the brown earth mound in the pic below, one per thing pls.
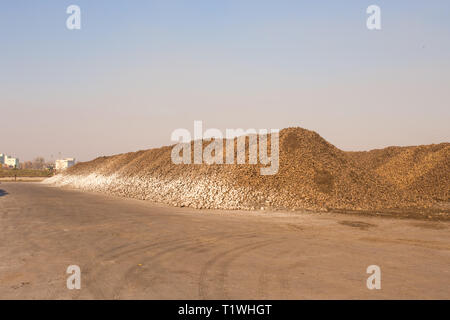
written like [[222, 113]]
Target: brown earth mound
[[423, 170], [313, 174]]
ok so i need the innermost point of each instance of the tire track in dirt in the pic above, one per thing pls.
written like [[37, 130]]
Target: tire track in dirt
[[95, 274], [155, 262], [224, 260], [225, 266], [282, 276], [130, 252]]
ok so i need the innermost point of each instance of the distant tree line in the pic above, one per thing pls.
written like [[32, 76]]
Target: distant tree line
[[38, 163]]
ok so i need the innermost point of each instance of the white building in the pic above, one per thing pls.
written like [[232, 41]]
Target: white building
[[8, 161], [63, 164], [12, 162]]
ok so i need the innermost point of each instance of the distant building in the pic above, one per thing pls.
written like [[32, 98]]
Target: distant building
[[7, 161], [63, 164], [12, 162]]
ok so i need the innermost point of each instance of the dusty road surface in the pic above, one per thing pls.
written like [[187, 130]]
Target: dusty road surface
[[134, 249]]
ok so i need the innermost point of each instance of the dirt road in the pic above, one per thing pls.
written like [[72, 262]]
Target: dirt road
[[134, 249]]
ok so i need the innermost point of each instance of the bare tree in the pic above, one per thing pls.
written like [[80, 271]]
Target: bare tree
[[27, 165], [39, 163]]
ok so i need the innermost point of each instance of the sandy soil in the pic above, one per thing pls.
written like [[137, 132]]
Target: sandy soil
[[129, 248]]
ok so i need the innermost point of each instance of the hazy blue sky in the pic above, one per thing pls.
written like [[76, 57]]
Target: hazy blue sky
[[137, 70]]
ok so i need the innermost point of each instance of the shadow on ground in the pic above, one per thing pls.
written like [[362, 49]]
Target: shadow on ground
[[3, 193]]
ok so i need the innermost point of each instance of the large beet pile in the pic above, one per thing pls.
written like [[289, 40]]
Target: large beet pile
[[313, 174]]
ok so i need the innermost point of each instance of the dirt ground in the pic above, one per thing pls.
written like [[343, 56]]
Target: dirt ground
[[22, 179], [129, 248]]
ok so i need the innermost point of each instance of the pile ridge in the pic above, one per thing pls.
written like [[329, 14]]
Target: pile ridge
[[313, 175]]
